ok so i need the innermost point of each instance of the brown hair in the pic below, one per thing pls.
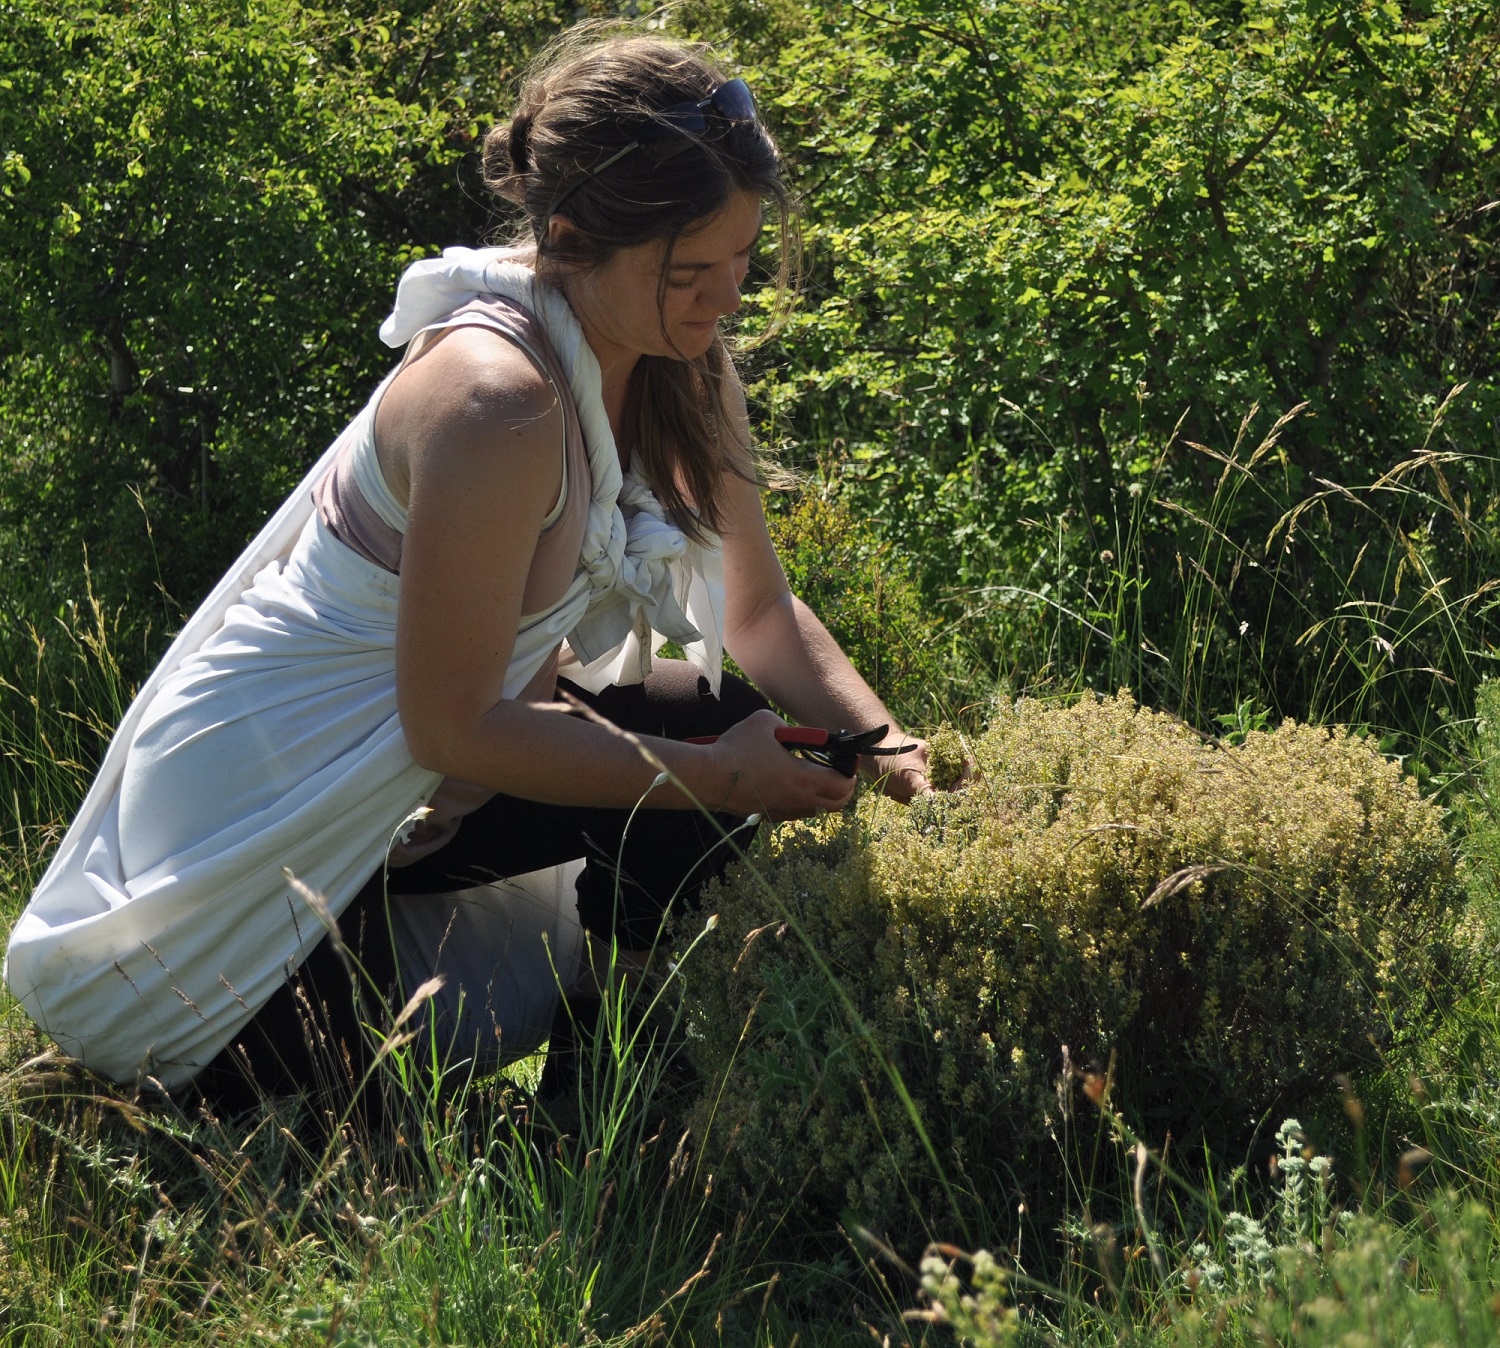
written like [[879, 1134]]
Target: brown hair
[[581, 104]]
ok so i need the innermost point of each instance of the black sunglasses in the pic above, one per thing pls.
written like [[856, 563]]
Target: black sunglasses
[[732, 101]]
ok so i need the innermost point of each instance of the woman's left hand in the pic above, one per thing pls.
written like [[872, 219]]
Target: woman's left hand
[[902, 777]]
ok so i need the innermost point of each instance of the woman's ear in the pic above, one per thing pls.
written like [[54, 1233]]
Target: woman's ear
[[562, 232]]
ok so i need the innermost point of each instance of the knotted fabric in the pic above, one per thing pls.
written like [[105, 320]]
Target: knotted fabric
[[267, 740], [641, 574]]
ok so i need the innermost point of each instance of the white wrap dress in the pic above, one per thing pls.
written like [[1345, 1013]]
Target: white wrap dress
[[270, 740]]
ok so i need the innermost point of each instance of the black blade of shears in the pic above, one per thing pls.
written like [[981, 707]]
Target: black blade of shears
[[864, 742]]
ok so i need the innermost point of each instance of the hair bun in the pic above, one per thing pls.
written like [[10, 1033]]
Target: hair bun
[[506, 158], [520, 140]]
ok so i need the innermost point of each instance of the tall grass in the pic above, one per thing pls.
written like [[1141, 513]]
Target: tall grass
[[63, 690], [1366, 603], [479, 1218], [1301, 1262]]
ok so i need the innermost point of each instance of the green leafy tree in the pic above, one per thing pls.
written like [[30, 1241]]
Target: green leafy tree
[[206, 206], [1054, 245]]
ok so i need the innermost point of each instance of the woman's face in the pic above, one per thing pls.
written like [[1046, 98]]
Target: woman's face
[[617, 303]]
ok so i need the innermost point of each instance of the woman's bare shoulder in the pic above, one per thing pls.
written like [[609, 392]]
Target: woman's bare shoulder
[[468, 390]]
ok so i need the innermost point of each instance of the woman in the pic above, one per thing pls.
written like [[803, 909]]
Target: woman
[[556, 477]]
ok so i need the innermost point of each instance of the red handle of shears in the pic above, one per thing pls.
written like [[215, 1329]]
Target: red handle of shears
[[814, 737]]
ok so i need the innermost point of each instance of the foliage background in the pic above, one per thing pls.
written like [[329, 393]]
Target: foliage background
[[205, 208], [1062, 250], [1058, 253]]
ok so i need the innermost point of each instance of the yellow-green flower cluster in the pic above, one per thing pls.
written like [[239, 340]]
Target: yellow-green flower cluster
[[1228, 925]]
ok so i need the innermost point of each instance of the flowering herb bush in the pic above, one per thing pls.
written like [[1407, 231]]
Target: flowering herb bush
[[881, 1012]]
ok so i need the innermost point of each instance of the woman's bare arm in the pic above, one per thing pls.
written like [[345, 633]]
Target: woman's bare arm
[[788, 653], [478, 433]]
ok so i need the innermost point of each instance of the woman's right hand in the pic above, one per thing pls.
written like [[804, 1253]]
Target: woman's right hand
[[765, 779]]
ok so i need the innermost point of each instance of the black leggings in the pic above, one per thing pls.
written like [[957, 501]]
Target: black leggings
[[309, 1033]]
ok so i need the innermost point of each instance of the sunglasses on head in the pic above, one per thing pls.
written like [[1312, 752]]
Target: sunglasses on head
[[732, 101]]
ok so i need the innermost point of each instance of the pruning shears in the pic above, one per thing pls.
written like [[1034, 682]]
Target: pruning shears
[[836, 749]]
